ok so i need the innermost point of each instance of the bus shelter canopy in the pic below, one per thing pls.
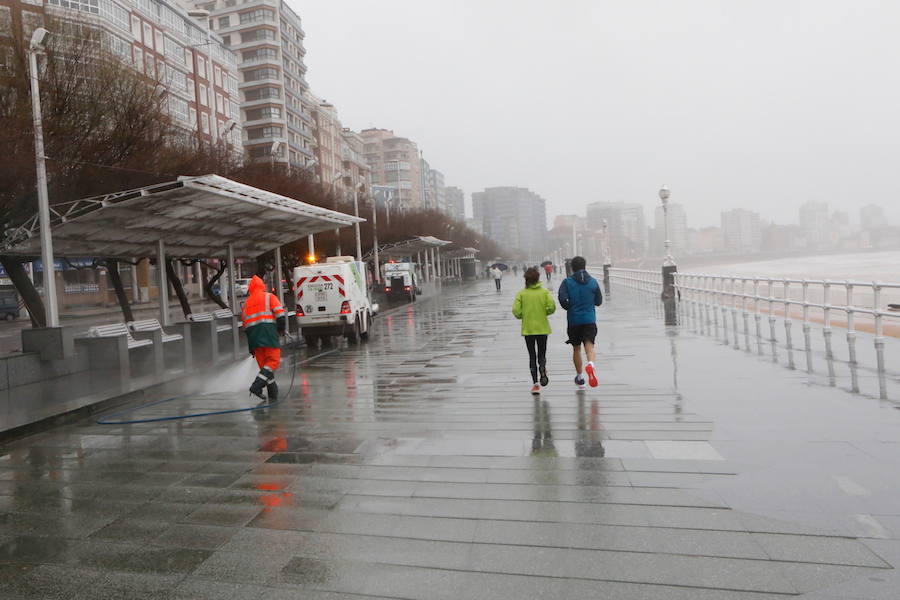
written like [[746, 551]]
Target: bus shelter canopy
[[411, 247], [462, 253], [193, 217]]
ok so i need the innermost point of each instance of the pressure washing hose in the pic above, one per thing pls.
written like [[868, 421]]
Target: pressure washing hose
[[107, 419]]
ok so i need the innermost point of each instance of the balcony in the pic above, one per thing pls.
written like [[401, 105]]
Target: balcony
[[262, 102], [269, 81], [260, 62]]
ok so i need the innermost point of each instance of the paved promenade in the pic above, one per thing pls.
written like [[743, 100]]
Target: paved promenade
[[418, 466]]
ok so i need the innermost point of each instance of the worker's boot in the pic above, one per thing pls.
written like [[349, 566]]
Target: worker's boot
[[256, 388], [272, 390]]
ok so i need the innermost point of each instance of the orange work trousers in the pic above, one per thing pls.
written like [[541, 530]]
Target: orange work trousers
[[268, 357]]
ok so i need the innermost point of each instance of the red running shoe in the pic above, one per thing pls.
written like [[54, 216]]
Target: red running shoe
[[592, 376]]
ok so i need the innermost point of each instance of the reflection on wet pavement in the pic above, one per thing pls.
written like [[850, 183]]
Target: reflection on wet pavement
[[420, 466]]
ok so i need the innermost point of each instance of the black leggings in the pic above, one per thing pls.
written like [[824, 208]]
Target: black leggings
[[537, 354], [497, 283]]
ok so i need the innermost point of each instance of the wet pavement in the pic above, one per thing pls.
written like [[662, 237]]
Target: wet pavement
[[418, 466]]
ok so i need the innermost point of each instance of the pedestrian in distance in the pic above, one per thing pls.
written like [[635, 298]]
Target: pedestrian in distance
[[497, 274], [515, 270], [548, 270], [579, 294], [264, 321], [532, 306]]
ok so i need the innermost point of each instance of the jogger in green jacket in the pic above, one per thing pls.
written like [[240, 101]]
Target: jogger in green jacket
[[532, 306]]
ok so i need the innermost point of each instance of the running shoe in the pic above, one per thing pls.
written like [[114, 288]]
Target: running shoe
[[544, 379], [579, 381], [592, 376], [536, 390]]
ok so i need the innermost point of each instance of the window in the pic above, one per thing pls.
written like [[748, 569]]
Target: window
[[262, 93], [192, 116], [260, 14], [201, 67], [260, 54], [5, 21], [177, 79], [257, 35], [136, 27], [189, 60], [220, 103], [218, 76], [160, 42], [178, 108], [148, 35], [263, 132], [138, 57], [148, 65], [204, 99], [224, 21], [267, 112], [174, 50], [261, 73], [91, 6], [204, 123], [30, 22], [226, 40]]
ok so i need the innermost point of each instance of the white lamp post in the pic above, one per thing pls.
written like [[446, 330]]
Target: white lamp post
[[604, 225], [664, 193], [51, 309]]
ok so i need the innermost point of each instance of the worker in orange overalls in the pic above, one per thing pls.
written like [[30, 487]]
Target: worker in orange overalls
[[263, 319]]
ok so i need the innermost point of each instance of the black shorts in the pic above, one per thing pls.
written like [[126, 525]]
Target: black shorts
[[579, 334]]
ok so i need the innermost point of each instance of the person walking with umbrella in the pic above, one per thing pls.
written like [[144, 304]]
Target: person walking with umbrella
[[548, 268], [532, 306]]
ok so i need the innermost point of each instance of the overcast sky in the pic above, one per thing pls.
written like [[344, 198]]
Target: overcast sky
[[733, 103]]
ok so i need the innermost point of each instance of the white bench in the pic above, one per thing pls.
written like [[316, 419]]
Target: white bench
[[150, 325], [214, 316], [115, 330]]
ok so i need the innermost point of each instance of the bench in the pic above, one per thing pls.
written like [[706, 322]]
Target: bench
[[217, 315], [150, 325], [115, 330]]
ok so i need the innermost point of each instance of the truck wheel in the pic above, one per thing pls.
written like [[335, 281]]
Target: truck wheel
[[353, 334], [312, 341], [364, 334]]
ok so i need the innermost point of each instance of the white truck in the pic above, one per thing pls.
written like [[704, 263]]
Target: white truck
[[401, 280], [332, 299]]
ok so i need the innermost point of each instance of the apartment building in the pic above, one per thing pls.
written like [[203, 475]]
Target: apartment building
[[329, 145], [355, 168], [267, 39], [395, 162], [455, 200], [513, 217], [741, 231], [626, 226], [435, 190], [159, 39]]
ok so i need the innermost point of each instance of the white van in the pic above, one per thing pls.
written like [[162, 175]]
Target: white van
[[332, 298], [401, 280]]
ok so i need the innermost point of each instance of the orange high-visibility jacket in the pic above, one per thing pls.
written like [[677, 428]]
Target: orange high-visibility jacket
[[263, 317]]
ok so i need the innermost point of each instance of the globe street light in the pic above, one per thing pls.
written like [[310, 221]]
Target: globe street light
[[51, 310], [664, 193]]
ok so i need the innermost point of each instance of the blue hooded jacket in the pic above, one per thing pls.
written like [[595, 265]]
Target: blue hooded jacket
[[579, 294]]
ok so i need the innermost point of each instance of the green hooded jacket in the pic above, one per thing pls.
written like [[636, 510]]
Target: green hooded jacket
[[532, 305]]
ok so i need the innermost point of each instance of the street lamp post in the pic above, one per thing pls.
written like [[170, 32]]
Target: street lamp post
[[356, 188], [668, 267], [604, 226], [337, 230], [51, 309]]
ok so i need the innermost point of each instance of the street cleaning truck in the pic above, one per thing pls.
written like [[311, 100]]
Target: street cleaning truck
[[332, 299]]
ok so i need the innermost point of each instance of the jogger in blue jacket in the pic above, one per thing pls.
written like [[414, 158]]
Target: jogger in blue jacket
[[579, 294]]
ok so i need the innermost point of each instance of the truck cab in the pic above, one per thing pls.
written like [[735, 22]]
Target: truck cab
[[401, 280], [332, 299]]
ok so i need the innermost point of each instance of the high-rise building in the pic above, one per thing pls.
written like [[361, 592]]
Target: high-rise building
[[677, 229], [160, 40], [816, 224], [435, 190], [395, 162], [329, 145], [267, 39], [872, 217], [356, 170], [455, 203], [626, 225], [513, 217], [741, 231]]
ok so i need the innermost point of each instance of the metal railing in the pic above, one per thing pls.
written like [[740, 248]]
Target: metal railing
[[637, 280], [861, 307], [726, 303]]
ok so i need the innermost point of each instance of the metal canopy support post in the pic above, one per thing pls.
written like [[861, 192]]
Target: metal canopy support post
[[232, 301], [278, 276], [439, 270], [312, 246], [163, 281], [135, 291]]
